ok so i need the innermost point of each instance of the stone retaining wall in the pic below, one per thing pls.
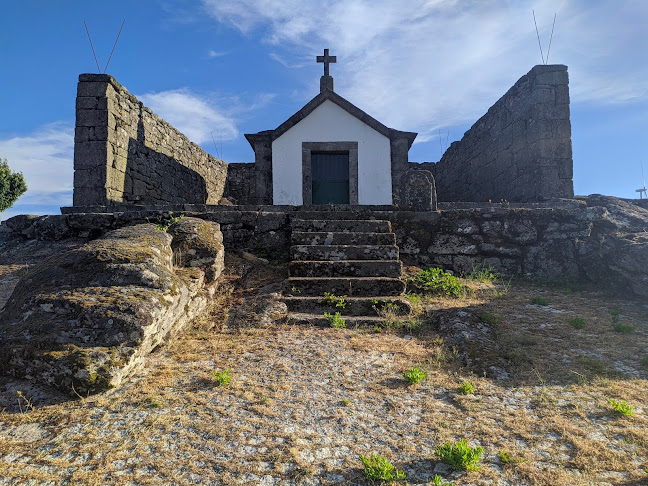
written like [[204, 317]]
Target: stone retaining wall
[[520, 150], [125, 153], [595, 238]]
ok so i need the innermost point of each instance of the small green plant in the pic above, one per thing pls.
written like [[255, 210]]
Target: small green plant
[[623, 328], [346, 402], [222, 377], [334, 300], [644, 361], [483, 273], [460, 456], [466, 388], [439, 481], [414, 376], [577, 322], [622, 407], [165, 223], [508, 458], [436, 281], [377, 468], [490, 318], [539, 301], [335, 320]]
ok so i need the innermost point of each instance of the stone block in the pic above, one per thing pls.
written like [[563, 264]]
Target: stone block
[[95, 89], [91, 118], [88, 155], [555, 78], [95, 178]]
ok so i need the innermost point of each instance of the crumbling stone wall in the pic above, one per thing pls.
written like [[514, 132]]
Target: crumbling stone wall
[[520, 150], [241, 183], [125, 153]]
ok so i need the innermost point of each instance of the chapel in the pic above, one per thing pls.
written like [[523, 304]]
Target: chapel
[[329, 152]]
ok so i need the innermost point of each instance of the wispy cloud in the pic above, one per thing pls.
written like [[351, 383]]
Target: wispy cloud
[[427, 64], [212, 54], [195, 116], [45, 157]]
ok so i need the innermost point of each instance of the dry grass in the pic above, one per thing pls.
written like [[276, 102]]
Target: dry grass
[[305, 402]]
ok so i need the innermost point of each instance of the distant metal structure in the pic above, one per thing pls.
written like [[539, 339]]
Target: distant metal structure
[[642, 192], [111, 52]]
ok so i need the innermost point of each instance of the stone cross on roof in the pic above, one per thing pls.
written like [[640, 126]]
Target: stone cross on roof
[[326, 59]]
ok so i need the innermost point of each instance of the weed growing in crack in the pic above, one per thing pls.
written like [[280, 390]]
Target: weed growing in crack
[[335, 301], [414, 376], [222, 377], [539, 301], [577, 322], [439, 481], [644, 361], [24, 401], [335, 320], [460, 456], [377, 468], [466, 388], [622, 407], [164, 223]]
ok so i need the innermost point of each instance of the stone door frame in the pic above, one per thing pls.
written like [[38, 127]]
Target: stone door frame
[[307, 169]]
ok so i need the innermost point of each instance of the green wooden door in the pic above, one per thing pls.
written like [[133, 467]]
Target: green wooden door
[[330, 175]]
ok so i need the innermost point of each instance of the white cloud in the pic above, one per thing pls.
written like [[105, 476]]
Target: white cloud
[[428, 64], [45, 157], [193, 115], [213, 54]]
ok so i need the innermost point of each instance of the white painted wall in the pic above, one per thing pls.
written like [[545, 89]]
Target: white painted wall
[[330, 123]]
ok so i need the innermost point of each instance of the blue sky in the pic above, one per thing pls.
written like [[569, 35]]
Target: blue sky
[[217, 69]]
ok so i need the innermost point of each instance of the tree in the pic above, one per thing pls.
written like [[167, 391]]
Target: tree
[[12, 185]]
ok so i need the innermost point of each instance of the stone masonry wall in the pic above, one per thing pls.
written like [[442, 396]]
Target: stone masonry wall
[[520, 150], [125, 153], [241, 183]]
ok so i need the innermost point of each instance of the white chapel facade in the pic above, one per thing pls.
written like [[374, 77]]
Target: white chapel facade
[[329, 152]]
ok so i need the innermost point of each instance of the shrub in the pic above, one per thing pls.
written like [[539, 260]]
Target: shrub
[[623, 328], [460, 456], [622, 407], [12, 185], [436, 281], [377, 468], [414, 376], [577, 322], [539, 301], [439, 481], [335, 320], [466, 388], [222, 377]]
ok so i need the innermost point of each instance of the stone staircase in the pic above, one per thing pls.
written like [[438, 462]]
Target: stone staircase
[[350, 266]]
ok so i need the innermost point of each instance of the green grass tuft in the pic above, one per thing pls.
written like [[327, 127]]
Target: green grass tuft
[[377, 468], [436, 281], [460, 456]]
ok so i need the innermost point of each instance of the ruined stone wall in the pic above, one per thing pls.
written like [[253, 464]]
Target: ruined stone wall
[[241, 183], [125, 153], [520, 150]]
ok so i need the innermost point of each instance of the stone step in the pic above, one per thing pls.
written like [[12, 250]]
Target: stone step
[[341, 226], [331, 238], [346, 268], [350, 286], [350, 322], [348, 306], [343, 252]]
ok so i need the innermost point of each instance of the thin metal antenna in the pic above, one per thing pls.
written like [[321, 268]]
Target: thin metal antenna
[[92, 47], [440, 144], [551, 38], [215, 146], [538, 34], [113, 49]]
